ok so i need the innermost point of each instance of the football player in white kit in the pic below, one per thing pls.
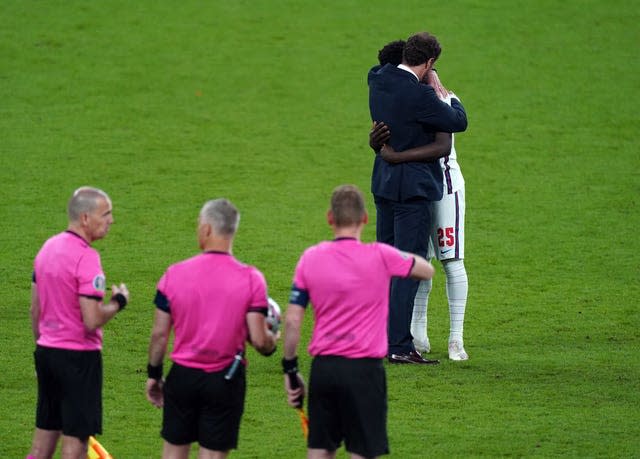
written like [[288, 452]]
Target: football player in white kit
[[447, 245], [447, 241]]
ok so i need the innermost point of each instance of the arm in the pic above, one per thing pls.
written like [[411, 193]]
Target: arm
[[433, 80], [159, 337], [157, 348], [441, 146], [35, 311], [292, 326], [259, 335], [438, 115], [378, 135], [422, 269], [95, 313]]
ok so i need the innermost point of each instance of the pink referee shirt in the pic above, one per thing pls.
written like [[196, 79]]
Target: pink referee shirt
[[348, 285], [65, 268], [208, 297]]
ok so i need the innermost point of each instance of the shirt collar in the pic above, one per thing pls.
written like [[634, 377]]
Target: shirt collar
[[404, 67], [76, 235]]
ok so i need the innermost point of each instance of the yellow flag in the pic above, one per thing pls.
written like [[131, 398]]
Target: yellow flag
[[96, 450]]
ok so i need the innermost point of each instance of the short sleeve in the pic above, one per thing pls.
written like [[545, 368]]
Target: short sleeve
[[258, 295], [90, 277], [299, 290], [398, 263], [298, 275]]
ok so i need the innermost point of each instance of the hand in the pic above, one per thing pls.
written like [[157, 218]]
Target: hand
[[275, 335], [155, 392], [389, 154], [121, 289], [379, 135], [294, 395], [433, 80]]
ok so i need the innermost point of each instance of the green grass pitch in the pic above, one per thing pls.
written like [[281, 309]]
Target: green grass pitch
[[168, 104]]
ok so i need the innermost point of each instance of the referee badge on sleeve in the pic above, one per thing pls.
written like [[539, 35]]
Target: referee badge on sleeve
[[100, 283]]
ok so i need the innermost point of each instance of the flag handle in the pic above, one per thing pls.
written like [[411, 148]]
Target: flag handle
[[304, 422]]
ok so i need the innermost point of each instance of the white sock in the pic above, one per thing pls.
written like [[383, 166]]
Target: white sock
[[457, 286], [419, 318]]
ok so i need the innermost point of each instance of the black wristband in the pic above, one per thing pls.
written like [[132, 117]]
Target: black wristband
[[120, 299], [154, 372], [290, 366]]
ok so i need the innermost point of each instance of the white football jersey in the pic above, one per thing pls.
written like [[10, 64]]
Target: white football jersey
[[453, 180]]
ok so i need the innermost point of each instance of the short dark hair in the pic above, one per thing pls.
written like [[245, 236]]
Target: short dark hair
[[347, 206], [420, 48], [391, 53]]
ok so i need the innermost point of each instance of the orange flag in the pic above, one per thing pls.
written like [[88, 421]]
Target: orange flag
[[96, 450]]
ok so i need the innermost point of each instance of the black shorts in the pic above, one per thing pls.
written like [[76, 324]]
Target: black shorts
[[69, 391], [203, 407], [348, 401]]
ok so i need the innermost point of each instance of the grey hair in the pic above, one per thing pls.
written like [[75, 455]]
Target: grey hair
[[84, 199], [222, 215]]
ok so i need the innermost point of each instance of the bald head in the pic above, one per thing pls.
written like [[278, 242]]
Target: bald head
[[85, 200], [90, 213]]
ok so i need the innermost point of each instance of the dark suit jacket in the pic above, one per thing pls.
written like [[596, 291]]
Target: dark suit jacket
[[414, 113]]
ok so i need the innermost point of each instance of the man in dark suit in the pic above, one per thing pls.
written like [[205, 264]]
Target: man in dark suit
[[404, 192]]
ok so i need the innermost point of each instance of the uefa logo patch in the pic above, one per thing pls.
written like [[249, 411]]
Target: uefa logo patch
[[100, 283]]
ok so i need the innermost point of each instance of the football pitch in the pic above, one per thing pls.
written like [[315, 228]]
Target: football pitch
[[165, 105]]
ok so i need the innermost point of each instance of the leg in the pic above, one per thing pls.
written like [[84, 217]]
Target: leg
[[419, 322], [314, 453], [74, 447], [171, 451], [457, 285], [451, 230], [325, 430], [412, 227], [384, 221], [44, 443], [205, 453], [419, 317]]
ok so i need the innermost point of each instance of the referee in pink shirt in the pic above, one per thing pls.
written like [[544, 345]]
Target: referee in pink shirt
[[67, 315], [347, 282], [215, 304]]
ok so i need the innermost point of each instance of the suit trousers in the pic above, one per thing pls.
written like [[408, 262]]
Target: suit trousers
[[407, 226]]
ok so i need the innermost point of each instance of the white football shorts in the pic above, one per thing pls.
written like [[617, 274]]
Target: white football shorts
[[447, 239]]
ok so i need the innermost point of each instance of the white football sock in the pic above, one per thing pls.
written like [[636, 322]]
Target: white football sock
[[457, 286], [419, 318]]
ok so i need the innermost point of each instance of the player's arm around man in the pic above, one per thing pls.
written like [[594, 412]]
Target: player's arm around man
[[380, 135]]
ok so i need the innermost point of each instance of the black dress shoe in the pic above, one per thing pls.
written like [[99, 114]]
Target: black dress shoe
[[411, 357]]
